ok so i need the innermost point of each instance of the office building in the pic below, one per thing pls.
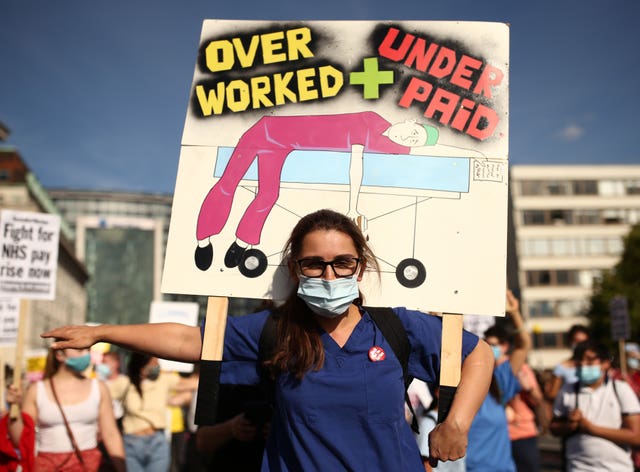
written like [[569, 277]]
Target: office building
[[570, 221]]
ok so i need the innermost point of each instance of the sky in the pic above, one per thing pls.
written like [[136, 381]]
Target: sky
[[95, 93]]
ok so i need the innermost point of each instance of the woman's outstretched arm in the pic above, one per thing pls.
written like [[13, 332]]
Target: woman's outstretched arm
[[172, 341]]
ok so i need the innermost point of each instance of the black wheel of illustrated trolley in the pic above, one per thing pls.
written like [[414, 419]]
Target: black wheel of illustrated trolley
[[411, 273], [253, 263]]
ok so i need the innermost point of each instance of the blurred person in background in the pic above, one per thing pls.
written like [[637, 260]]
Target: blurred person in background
[[70, 411], [565, 372], [17, 435], [598, 416], [632, 377], [145, 401], [109, 370], [525, 410], [489, 444]]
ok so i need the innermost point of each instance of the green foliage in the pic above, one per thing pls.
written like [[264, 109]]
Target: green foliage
[[623, 280]]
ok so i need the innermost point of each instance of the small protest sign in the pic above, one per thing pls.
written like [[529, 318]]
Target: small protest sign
[[620, 327], [9, 316], [29, 254]]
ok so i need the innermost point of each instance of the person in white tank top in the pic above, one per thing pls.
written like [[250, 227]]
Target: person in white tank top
[[87, 407]]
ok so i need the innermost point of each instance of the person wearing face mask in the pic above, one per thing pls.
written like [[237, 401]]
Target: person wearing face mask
[[338, 386], [599, 416], [145, 400], [70, 412], [632, 377], [109, 372], [489, 442]]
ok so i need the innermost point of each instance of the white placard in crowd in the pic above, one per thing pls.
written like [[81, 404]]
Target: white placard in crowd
[[174, 312], [9, 317], [29, 254]]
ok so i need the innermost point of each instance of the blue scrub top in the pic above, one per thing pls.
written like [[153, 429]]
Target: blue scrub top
[[349, 415], [489, 448]]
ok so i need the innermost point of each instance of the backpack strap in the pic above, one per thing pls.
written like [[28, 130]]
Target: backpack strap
[[393, 331], [267, 341]]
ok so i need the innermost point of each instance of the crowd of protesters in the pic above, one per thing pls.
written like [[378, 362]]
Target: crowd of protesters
[[588, 401]]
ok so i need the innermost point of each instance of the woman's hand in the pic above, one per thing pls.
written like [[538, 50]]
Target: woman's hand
[[14, 395], [75, 337], [242, 429], [513, 304], [447, 442]]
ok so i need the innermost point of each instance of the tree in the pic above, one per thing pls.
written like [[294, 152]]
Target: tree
[[622, 280]]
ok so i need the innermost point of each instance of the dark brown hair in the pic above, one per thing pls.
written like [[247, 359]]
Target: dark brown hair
[[52, 364], [137, 362], [298, 345]]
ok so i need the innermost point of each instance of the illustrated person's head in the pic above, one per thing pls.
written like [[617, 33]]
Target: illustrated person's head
[[592, 362], [140, 367], [411, 133], [73, 360], [497, 338], [327, 255]]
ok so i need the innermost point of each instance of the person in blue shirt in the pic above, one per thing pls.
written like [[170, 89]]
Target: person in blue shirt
[[489, 444], [339, 388]]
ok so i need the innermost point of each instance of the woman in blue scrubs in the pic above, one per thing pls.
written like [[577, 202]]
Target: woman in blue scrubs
[[339, 389]]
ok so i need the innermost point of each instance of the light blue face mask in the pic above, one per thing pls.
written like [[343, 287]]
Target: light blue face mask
[[328, 298], [103, 371], [633, 363], [79, 363], [589, 374], [497, 352]]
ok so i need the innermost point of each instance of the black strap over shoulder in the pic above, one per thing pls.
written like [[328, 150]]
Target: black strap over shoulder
[[393, 331], [267, 341]]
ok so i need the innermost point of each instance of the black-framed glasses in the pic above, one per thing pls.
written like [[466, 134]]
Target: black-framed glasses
[[342, 266]]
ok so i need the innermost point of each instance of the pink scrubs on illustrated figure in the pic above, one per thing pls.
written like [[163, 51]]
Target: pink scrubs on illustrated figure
[[271, 140]]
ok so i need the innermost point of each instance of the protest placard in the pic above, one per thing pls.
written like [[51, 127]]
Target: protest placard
[[401, 125], [29, 257]]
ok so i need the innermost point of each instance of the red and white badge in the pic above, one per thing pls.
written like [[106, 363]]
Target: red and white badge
[[376, 354]]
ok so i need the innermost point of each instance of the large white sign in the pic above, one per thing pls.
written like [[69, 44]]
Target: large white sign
[[9, 319], [174, 312], [29, 257], [403, 126]]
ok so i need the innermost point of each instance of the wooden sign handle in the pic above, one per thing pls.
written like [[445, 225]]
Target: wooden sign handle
[[211, 360], [623, 356], [17, 365], [450, 362]]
